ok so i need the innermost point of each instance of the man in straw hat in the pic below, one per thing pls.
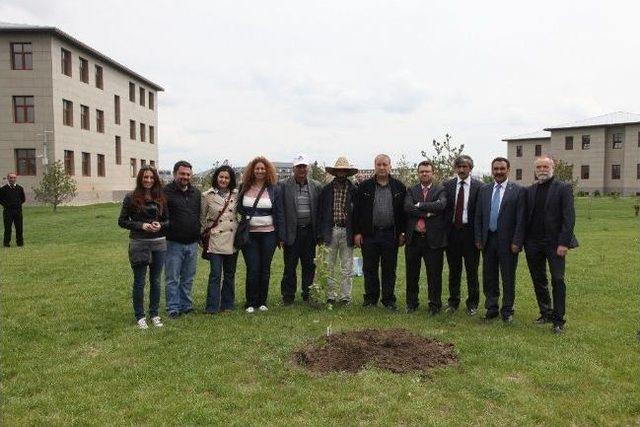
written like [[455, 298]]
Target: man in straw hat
[[335, 226]]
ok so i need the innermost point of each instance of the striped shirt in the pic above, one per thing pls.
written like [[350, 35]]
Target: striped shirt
[[261, 220], [303, 201]]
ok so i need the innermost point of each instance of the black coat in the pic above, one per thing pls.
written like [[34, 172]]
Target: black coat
[[184, 213], [325, 213], [132, 218], [12, 198], [363, 208], [450, 188], [510, 217], [431, 210]]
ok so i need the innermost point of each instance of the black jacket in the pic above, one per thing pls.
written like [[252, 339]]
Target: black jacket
[[184, 213], [450, 188], [12, 198], [325, 213], [288, 190], [132, 218], [363, 208], [432, 211], [510, 217]]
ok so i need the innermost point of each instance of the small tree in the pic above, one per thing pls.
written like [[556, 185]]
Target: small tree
[[405, 172], [318, 173], [487, 179], [56, 187], [445, 154], [563, 171]]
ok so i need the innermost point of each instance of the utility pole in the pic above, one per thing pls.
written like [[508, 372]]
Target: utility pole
[[45, 148]]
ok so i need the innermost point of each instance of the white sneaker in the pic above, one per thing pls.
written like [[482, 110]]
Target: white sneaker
[[157, 322], [263, 308], [142, 323], [250, 310]]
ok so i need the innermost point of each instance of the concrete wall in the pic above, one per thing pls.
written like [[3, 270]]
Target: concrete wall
[[525, 163]]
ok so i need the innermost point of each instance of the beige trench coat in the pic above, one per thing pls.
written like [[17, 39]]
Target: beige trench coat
[[221, 240]]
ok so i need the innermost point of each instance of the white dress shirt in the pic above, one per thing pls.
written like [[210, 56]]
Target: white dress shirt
[[467, 190], [503, 186]]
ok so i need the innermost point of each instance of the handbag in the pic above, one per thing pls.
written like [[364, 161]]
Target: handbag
[[206, 234], [242, 232]]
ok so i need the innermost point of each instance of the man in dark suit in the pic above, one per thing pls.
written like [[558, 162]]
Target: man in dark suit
[[426, 235], [499, 233], [379, 224], [462, 193], [550, 217], [11, 198], [300, 198]]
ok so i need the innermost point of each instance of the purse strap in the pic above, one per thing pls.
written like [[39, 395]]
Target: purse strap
[[256, 202], [215, 221]]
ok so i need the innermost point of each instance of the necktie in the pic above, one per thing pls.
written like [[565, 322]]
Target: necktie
[[457, 219], [421, 225], [495, 208]]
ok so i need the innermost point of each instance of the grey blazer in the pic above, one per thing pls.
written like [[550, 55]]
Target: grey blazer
[[289, 187]]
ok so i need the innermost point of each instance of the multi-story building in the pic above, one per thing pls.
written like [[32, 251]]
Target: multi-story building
[[604, 152], [63, 100]]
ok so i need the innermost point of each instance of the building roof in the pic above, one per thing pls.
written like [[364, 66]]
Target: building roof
[[542, 134], [611, 119], [7, 27]]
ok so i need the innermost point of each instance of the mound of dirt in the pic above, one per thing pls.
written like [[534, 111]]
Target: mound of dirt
[[396, 350]]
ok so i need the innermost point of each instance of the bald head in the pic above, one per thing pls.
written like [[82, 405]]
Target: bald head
[[12, 177], [382, 166]]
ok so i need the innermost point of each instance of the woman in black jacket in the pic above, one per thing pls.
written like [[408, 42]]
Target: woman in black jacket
[[145, 213]]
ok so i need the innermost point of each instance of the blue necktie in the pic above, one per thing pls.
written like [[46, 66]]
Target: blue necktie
[[495, 208]]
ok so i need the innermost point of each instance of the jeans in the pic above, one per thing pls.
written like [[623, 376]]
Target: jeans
[[222, 267], [180, 269], [258, 253], [380, 251], [139, 275], [303, 249], [339, 249]]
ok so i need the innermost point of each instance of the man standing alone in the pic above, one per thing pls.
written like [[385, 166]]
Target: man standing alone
[[11, 198], [300, 196], [379, 223], [183, 235]]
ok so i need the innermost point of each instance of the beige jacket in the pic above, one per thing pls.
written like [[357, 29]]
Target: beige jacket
[[221, 240]]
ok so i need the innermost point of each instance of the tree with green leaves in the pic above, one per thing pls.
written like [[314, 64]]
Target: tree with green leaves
[[318, 173], [442, 160], [563, 171], [406, 172], [56, 187]]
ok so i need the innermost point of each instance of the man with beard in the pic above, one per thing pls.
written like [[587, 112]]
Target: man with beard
[[499, 234], [549, 221]]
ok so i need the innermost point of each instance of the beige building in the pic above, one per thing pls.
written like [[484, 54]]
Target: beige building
[[62, 100], [604, 152]]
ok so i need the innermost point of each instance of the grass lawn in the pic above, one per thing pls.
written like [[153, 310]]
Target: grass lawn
[[71, 353]]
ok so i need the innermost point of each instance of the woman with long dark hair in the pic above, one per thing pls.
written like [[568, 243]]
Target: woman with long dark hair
[[145, 213], [219, 222], [262, 201]]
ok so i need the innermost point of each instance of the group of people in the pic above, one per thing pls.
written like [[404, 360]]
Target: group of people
[[461, 217]]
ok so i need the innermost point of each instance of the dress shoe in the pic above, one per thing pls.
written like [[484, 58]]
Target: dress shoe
[[508, 319], [490, 315], [450, 309], [472, 311], [174, 315], [412, 309], [367, 304], [287, 301], [331, 301], [391, 307], [542, 320], [558, 329], [433, 311]]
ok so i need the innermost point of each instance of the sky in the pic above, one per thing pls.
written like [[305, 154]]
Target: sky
[[358, 78]]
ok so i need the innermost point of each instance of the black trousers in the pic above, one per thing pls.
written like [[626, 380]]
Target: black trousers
[[462, 247], [380, 252], [415, 253], [498, 261], [539, 253], [12, 217], [303, 250]]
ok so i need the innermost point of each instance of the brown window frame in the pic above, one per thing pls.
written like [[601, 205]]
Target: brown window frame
[[586, 142], [568, 142], [65, 62], [518, 150], [637, 170], [143, 133], [152, 101], [99, 76], [537, 150], [152, 134], [100, 161], [83, 64], [616, 172], [28, 156], [616, 143], [67, 112], [132, 92], [22, 108], [142, 96], [86, 164], [518, 174], [118, 143], [23, 55], [85, 117], [133, 167], [585, 172], [116, 109], [69, 162], [99, 121], [132, 130]]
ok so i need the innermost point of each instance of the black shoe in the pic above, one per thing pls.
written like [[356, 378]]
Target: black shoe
[[558, 329], [7, 245], [451, 309], [542, 320], [305, 298], [174, 315], [391, 307], [287, 301], [490, 315], [472, 311], [368, 304], [187, 311], [344, 303], [508, 319], [433, 311], [331, 301], [20, 244]]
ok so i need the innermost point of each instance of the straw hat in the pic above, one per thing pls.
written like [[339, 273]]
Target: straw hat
[[342, 164]]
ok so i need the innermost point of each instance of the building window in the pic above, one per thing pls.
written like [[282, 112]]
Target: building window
[[538, 150], [100, 121], [84, 117], [99, 77], [21, 56], [152, 101], [65, 59], [615, 171], [86, 164], [69, 163], [23, 109], [152, 163], [518, 150], [586, 142], [67, 112], [143, 163], [143, 132], [617, 141], [132, 92], [118, 151], [133, 169], [638, 139], [152, 134], [518, 174], [584, 172], [142, 96], [116, 109], [132, 129], [84, 70], [101, 170], [638, 171], [26, 161], [568, 142]]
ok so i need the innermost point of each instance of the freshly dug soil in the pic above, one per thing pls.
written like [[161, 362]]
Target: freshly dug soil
[[397, 350]]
